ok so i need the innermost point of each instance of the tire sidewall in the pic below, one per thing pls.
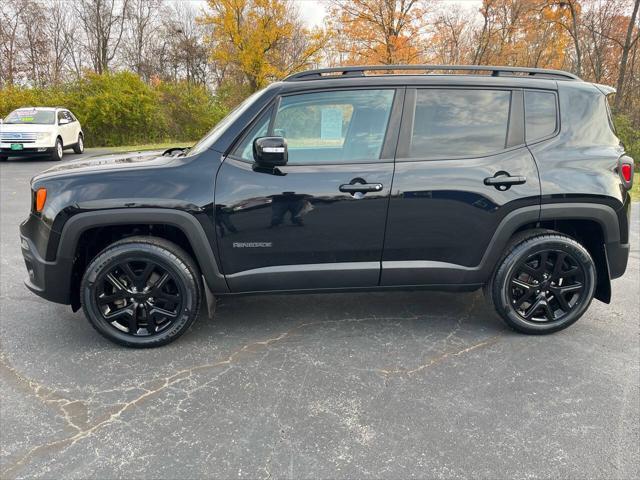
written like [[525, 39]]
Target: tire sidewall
[[137, 251], [79, 148], [501, 294], [57, 153]]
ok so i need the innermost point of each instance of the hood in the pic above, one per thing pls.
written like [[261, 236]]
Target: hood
[[102, 163]]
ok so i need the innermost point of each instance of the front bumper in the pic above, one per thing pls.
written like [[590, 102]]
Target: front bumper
[[47, 279], [27, 151]]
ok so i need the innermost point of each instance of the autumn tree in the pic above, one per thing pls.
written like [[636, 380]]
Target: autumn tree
[[378, 31], [259, 40], [10, 22], [103, 24], [449, 32]]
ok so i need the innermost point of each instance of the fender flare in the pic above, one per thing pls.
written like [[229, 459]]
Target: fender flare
[[604, 215], [185, 222]]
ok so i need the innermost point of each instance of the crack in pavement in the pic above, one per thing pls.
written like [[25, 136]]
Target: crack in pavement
[[74, 412], [436, 360], [76, 416]]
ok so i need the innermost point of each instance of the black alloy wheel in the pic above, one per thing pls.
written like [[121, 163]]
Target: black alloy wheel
[[544, 283], [547, 286], [141, 292], [139, 297]]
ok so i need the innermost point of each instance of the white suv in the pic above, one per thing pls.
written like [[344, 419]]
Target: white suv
[[39, 131]]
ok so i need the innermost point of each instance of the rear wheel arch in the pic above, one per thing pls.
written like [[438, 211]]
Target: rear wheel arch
[[594, 225]]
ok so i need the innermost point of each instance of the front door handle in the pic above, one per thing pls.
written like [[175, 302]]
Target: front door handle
[[361, 187], [503, 180]]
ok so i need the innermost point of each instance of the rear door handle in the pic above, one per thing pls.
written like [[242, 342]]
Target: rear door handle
[[503, 181], [361, 187]]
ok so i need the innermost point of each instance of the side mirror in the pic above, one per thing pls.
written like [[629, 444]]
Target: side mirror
[[270, 152], [64, 121]]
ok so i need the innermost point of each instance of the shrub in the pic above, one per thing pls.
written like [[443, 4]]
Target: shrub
[[116, 109], [189, 110], [120, 109], [630, 137]]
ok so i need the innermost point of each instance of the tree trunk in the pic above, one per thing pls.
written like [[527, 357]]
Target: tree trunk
[[576, 39], [625, 55]]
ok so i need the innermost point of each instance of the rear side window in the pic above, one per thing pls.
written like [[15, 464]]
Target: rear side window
[[450, 123], [540, 114]]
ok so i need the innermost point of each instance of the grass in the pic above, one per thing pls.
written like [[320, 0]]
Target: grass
[[142, 147], [635, 191]]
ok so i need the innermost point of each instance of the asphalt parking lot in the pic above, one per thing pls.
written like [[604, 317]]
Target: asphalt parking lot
[[391, 385]]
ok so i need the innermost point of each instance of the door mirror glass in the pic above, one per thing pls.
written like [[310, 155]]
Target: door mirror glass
[[270, 152]]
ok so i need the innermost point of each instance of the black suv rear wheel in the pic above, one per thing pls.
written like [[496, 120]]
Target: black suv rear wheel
[[141, 292], [544, 283]]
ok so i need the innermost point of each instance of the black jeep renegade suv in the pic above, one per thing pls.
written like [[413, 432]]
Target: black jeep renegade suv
[[505, 178]]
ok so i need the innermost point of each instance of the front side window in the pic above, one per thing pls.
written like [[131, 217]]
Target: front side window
[[453, 123], [244, 149], [340, 126], [331, 127], [540, 114]]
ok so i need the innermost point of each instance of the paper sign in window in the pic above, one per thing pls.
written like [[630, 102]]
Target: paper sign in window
[[331, 123]]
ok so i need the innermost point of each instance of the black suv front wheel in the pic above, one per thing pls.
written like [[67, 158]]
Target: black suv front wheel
[[141, 292], [544, 283]]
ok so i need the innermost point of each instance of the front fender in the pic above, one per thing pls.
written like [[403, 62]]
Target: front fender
[[187, 223]]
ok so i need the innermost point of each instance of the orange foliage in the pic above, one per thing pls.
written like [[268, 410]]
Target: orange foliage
[[376, 31]]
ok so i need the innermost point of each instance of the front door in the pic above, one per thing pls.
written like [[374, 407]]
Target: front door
[[311, 223], [462, 167], [66, 129]]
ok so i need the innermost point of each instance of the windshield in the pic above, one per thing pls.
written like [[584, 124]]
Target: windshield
[[213, 135], [32, 116]]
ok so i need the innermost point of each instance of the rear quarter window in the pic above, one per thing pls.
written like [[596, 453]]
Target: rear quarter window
[[541, 115]]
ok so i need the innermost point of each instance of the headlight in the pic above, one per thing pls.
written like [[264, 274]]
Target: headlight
[[43, 136]]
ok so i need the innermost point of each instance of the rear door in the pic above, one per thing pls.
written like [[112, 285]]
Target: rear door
[[462, 166], [74, 126], [303, 225]]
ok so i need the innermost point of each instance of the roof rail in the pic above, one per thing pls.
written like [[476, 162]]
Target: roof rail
[[359, 71]]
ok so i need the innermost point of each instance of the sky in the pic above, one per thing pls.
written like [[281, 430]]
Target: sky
[[313, 11]]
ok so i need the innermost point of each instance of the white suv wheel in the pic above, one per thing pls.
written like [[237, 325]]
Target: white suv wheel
[[79, 146], [56, 155]]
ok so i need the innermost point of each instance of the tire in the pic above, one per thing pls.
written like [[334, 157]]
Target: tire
[[79, 146], [532, 293], [58, 149], [3, 158], [137, 315]]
